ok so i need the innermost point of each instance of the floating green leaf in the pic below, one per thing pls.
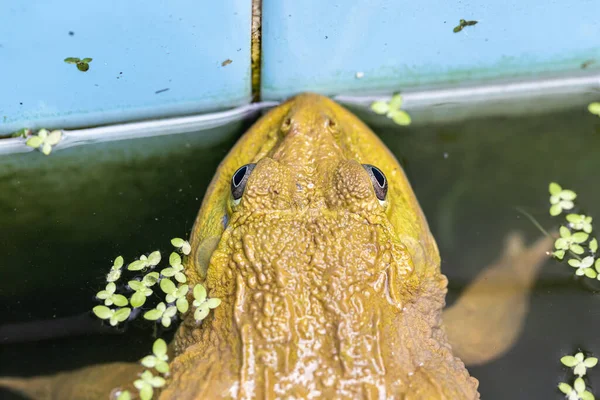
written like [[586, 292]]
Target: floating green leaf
[[182, 305], [147, 383], [569, 241], [162, 312], [118, 263], [34, 141], [559, 254], [593, 245], [137, 299], [44, 140], [138, 264], [121, 315], [110, 297], [176, 269], [463, 23], [577, 392], [168, 286], [580, 222], [181, 244], [83, 66], [141, 289], [114, 316], [565, 387], [102, 312], [115, 271], [177, 242], [173, 292], [392, 110], [560, 199], [401, 118], [202, 304], [159, 359], [594, 108], [579, 363], [380, 107], [155, 313], [174, 259], [199, 293], [113, 275], [584, 267], [154, 258], [150, 279], [124, 395]]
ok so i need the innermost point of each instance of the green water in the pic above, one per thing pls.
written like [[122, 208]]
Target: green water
[[65, 217]]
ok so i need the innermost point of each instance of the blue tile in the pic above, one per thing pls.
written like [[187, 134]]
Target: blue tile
[[320, 45], [139, 49]]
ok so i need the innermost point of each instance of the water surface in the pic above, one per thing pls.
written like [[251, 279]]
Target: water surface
[[65, 217]]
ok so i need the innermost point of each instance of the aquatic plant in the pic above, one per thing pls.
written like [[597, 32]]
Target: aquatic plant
[[44, 140], [165, 312], [175, 294], [147, 383], [182, 245], [392, 110], [577, 391], [123, 395], [159, 358], [584, 266], [560, 199], [462, 24], [575, 235], [142, 289], [579, 363], [580, 222], [176, 269], [110, 297], [144, 262], [113, 316], [22, 133], [115, 271], [594, 108], [202, 303], [82, 64], [570, 241]]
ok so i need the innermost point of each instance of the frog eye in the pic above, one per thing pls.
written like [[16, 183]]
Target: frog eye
[[239, 180], [379, 181]]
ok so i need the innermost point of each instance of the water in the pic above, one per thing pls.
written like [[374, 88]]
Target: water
[[64, 218]]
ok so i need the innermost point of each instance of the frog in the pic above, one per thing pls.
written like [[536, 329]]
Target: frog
[[329, 278]]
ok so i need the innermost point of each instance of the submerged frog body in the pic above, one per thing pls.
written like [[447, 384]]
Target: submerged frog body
[[329, 278]]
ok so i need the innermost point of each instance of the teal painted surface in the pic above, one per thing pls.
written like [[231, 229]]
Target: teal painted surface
[[320, 45], [138, 48]]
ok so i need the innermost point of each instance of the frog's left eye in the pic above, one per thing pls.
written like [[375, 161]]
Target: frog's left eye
[[239, 180], [379, 181]]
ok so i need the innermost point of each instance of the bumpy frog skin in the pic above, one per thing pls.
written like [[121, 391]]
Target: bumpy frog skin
[[327, 291]]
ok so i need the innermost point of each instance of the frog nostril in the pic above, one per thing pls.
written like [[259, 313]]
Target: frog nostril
[[286, 124], [331, 125]]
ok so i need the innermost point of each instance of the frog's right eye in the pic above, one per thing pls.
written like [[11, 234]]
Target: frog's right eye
[[239, 180], [379, 181]]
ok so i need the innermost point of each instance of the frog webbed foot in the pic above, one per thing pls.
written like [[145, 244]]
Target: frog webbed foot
[[488, 316]]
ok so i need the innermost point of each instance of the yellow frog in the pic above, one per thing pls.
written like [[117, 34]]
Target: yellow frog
[[329, 277]]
